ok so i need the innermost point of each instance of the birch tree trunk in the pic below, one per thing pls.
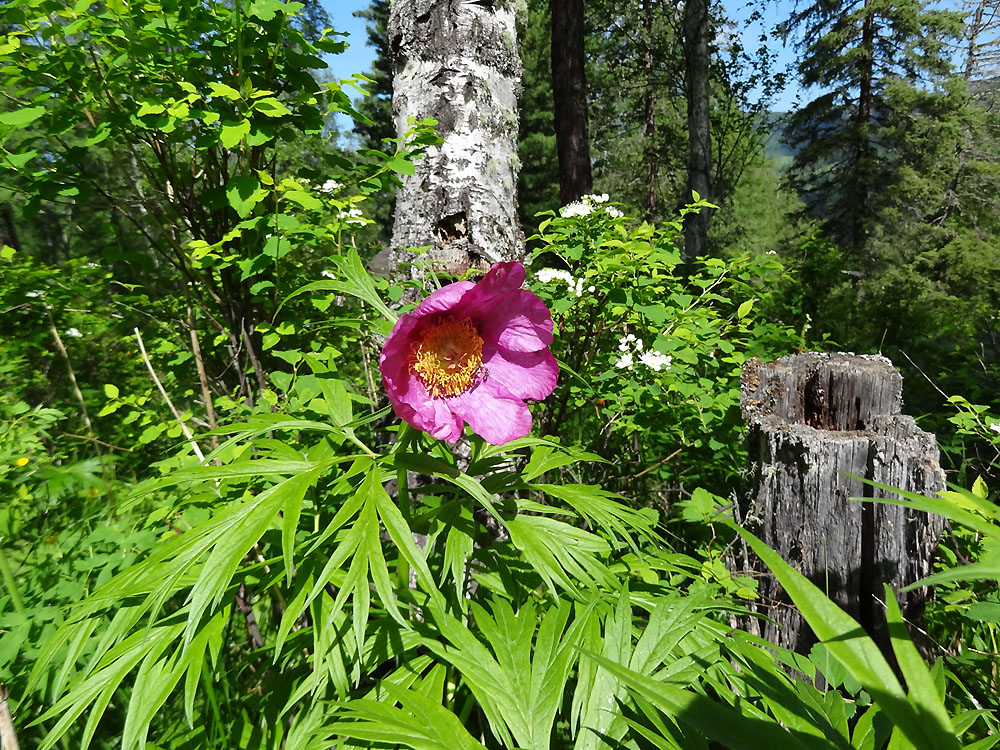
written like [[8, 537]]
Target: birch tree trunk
[[457, 62]]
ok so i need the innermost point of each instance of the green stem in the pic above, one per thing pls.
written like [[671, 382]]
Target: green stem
[[10, 584], [403, 440], [206, 679]]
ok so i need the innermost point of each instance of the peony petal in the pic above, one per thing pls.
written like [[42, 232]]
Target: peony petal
[[501, 280], [516, 329], [443, 300], [493, 413], [524, 374], [394, 360], [519, 321], [431, 415]]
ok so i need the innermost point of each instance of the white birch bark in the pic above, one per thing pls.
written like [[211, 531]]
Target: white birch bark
[[457, 61]]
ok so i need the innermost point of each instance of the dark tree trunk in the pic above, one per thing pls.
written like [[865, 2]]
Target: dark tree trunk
[[648, 102], [8, 230], [569, 93], [696, 60], [862, 150], [814, 420]]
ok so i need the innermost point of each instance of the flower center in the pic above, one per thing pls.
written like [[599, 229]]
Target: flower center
[[448, 357]]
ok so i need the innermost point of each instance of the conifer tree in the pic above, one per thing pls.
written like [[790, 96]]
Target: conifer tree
[[881, 67], [377, 106], [538, 183]]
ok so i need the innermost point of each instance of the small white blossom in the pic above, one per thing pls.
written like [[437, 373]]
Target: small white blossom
[[591, 288], [74, 333], [579, 287], [328, 274], [36, 293], [771, 252], [90, 265], [353, 216], [655, 360], [995, 426], [624, 362], [638, 345], [576, 208], [547, 275], [602, 198], [329, 186], [613, 212]]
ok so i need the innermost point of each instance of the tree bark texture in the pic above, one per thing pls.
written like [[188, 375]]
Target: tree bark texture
[[650, 112], [864, 117], [696, 61], [569, 94], [814, 419], [8, 229], [457, 61]]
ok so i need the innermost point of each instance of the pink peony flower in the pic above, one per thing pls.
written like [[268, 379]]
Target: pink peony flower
[[472, 353]]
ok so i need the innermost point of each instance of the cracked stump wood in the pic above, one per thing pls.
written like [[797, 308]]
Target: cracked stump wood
[[814, 419]]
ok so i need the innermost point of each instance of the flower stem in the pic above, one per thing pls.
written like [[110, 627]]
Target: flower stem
[[10, 584], [403, 440]]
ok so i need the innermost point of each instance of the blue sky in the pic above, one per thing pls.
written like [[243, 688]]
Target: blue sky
[[358, 57]]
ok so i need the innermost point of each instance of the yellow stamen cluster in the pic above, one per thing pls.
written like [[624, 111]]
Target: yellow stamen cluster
[[448, 357]]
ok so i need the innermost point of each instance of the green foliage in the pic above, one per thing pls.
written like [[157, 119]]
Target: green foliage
[[883, 125], [213, 534], [654, 350], [538, 179], [376, 125]]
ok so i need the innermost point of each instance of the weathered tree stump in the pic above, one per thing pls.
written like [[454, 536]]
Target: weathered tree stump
[[814, 419]]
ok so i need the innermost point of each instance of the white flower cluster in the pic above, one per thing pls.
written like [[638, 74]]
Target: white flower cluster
[[587, 204], [329, 186], [353, 216], [548, 275], [74, 333], [576, 208], [630, 346]]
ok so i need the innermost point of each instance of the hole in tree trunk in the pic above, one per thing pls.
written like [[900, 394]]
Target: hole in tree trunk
[[452, 227]]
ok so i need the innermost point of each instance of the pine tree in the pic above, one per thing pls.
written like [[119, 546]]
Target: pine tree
[[538, 184], [377, 107], [882, 68]]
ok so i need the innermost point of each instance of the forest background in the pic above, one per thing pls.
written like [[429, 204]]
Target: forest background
[[208, 536]]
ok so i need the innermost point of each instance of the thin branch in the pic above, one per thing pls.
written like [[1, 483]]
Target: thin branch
[[163, 392], [83, 409], [8, 739]]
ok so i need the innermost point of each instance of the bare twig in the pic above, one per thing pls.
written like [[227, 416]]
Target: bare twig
[[927, 378], [83, 409], [243, 605], [184, 428], [657, 464], [206, 393], [92, 439], [8, 739]]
